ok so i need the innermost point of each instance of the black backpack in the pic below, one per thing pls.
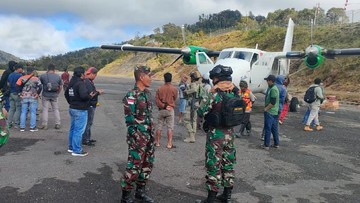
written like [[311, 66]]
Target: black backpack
[[310, 96], [231, 114]]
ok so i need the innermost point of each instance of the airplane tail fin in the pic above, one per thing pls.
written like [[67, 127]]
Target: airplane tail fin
[[285, 63]]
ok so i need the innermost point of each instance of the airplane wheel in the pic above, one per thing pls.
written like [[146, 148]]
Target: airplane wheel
[[293, 104]]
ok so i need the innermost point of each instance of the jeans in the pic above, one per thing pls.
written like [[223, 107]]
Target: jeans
[[78, 120], [46, 102], [28, 104], [87, 133], [15, 109], [271, 127]]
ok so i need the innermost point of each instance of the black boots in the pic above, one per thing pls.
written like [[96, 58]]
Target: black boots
[[226, 196], [210, 198], [140, 194], [126, 197]]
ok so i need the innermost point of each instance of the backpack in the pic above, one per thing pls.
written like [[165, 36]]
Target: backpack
[[310, 96], [50, 86], [231, 113]]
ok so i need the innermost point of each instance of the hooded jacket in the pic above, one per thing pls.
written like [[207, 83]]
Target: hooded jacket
[[5, 75], [282, 90], [77, 95]]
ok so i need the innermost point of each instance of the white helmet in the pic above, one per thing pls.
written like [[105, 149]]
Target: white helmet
[[206, 76]]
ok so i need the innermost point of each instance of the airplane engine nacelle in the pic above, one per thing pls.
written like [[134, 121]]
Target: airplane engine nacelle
[[313, 57], [189, 54]]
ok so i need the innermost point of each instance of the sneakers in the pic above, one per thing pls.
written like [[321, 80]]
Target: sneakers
[[280, 122], [275, 146], [79, 154], [34, 129], [57, 126], [90, 144], [70, 150], [307, 128], [189, 141], [264, 147], [22, 129], [43, 127], [319, 127]]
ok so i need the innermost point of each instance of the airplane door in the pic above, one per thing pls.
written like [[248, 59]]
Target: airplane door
[[259, 70], [203, 63]]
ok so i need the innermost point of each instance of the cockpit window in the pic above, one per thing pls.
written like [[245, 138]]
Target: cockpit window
[[225, 54], [243, 55]]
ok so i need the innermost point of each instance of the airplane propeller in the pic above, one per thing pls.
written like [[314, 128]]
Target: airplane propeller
[[187, 54], [314, 55]]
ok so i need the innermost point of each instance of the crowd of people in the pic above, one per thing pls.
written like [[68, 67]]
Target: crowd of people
[[201, 105], [22, 88]]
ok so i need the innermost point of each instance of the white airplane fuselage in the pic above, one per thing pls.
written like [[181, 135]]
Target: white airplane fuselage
[[251, 65]]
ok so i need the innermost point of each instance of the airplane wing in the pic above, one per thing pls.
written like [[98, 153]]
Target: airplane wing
[[187, 52]]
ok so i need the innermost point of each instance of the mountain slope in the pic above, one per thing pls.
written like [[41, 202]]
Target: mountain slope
[[6, 57]]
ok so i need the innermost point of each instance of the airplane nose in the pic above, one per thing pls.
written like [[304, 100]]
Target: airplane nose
[[241, 69]]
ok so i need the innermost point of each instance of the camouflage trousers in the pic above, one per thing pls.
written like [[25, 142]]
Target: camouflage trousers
[[140, 158], [190, 124], [220, 159]]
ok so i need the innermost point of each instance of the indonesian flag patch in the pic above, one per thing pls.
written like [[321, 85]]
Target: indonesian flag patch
[[130, 100]]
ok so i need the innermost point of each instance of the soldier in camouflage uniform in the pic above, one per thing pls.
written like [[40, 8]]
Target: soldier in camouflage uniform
[[192, 95], [4, 130], [140, 137], [220, 148]]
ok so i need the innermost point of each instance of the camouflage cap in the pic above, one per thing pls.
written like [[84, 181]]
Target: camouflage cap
[[142, 69]]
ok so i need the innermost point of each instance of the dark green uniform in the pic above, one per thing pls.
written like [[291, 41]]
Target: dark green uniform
[[140, 138], [220, 148]]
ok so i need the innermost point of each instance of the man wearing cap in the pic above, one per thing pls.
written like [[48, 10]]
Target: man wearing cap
[[31, 88], [192, 95], [315, 106], [90, 76], [140, 137], [52, 84], [271, 113], [220, 149]]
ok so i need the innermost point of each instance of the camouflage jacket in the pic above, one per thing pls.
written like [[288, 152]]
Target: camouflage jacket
[[213, 103], [138, 109]]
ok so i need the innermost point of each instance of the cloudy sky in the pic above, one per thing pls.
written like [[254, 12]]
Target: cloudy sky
[[33, 28]]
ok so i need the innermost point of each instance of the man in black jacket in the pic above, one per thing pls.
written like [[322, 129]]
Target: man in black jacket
[[78, 96], [90, 75], [3, 84]]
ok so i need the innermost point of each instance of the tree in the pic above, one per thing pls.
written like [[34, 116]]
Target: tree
[[246, 23], [337, 15]]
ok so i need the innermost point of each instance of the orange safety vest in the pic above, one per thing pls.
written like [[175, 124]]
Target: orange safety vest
[[246, 97]]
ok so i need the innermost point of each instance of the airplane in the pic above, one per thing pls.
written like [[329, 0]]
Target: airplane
[[251, 65]]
